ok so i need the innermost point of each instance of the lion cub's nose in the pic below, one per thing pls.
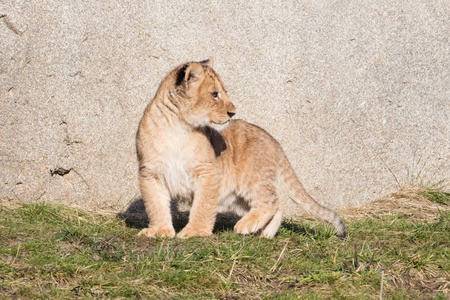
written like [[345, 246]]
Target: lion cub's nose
[[231, 114]]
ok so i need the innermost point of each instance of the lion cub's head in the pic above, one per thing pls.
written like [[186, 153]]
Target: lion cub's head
[[204, 101]]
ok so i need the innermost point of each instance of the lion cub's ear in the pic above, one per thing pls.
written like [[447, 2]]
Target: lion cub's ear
[[193, 76], [208, 62]]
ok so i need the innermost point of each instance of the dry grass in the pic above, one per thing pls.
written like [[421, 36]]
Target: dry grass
[[408, 201]]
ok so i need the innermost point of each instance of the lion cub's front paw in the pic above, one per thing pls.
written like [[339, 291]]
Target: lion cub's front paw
[[188, 232], [157, 232]]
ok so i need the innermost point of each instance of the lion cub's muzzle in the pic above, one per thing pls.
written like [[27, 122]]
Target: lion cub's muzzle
[[231, 110]]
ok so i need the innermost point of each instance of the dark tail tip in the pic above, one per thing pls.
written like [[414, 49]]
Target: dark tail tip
[[341, 230]]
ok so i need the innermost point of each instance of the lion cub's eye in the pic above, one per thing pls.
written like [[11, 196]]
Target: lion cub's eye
[[215, 95]]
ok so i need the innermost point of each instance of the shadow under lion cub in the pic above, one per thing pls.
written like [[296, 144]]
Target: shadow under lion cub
[[190, 149], [136, 217]]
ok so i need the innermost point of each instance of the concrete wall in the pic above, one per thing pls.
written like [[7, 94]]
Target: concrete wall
[[357, 92]]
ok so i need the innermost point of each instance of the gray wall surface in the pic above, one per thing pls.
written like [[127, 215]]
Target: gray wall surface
[[357, 92]]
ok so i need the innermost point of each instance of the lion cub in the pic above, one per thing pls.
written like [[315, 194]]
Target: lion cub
[[189, 148]]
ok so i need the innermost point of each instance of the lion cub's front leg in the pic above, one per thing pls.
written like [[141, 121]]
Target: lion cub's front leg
[[204, 207], [157, 205]]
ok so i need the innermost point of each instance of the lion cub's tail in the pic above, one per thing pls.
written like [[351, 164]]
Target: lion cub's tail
[[289, 182]]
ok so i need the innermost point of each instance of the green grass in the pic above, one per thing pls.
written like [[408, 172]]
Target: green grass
[[53, 251], [436, 195]]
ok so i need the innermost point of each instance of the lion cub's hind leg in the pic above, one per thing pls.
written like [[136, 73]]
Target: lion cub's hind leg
[[272, 227], [263, 210]]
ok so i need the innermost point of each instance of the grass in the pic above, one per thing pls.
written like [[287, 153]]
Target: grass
[[54, 251]]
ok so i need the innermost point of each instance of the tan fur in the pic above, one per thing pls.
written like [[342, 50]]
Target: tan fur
[[189, 148]]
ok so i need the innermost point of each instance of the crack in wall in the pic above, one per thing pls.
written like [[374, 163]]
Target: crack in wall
[[59, 171], [63, 171], [67, 140], [10, 24]]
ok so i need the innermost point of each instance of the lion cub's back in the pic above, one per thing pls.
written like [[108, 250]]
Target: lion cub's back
[[251, 146]]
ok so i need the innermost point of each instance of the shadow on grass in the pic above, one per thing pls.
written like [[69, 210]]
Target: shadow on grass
[[136, 217], [296, 228]]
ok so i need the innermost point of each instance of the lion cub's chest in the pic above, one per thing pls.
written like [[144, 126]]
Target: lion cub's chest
[[176, 177], [175, 161]]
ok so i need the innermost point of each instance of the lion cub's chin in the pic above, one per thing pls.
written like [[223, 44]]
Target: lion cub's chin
[[219, 127]]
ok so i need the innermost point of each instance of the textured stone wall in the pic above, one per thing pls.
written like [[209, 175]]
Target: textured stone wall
[[357, 92]]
